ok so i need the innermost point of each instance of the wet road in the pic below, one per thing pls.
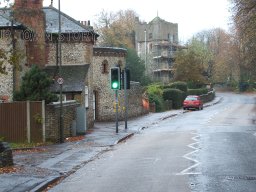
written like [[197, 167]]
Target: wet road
[[210, 150]]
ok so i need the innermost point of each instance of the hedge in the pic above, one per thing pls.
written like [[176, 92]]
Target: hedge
[[175, 95], [158, 100], [197, 91], [180, 85]]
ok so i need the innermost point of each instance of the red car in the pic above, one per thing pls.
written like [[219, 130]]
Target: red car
[[193, 102]]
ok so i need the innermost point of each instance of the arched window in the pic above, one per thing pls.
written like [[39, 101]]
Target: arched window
[[104, 67]]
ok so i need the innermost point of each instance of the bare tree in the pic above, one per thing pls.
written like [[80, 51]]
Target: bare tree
[[224, 47], [116, 29]]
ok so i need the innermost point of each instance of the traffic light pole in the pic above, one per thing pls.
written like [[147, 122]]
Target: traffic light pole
[[116, 99], [125, 98]]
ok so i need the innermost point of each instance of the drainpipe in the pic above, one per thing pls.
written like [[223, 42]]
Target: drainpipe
[[145, 34], [13, 52]]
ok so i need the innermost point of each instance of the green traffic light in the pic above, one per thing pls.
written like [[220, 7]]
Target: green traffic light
[[114, 85]]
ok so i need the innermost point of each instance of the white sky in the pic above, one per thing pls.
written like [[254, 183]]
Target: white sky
[[192, 16]]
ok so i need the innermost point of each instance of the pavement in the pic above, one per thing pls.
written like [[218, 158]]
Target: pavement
[[37, 169]]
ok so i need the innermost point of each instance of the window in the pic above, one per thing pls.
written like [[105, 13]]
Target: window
[[86, 96], [170, 37], [64, 98], [104, 67]]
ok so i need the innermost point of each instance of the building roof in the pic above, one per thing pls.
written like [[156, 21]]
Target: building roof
[[162, 70], [97, 51], [5, 19], [157, 19], [73, 76], [69, 25]]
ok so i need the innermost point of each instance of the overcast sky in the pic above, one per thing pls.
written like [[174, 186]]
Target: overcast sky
[[192, 16]]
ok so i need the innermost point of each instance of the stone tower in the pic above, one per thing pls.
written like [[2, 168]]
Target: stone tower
[[156, 43]]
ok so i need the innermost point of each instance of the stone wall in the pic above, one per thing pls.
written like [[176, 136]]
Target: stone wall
[[5, 155], [75, 53], [106, 103], [103, 60], [12, 80], [208, 97], [135, 104], [6, 80], [52, 120]]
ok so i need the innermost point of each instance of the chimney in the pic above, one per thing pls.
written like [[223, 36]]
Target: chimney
[[28, 4], [31, 15]]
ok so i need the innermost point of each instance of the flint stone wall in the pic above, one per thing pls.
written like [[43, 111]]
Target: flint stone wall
[[104, 59], [5, 155]]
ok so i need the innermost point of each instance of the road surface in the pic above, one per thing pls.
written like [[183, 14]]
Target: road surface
[[210, 150]]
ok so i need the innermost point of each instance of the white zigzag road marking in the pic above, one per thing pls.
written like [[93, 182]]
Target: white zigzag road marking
[[187, 171]]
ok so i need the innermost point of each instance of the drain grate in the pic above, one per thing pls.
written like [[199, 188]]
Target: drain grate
[[243, 177]]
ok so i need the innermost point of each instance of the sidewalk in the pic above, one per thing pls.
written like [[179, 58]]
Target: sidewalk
[[37, 168]]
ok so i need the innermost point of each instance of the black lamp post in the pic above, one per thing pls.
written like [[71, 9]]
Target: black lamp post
[[60, 76]]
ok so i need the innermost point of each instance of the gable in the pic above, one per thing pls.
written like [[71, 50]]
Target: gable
[[68, 24]]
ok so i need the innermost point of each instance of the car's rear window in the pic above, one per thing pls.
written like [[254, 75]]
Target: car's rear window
[[191, 98]]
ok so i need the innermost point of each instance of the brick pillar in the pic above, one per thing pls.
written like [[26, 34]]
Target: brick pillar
[[30, 14]]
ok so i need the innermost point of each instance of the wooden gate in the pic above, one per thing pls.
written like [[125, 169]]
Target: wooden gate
[[22, 121]]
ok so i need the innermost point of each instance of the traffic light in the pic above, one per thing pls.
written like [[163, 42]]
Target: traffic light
[[115, 78], [126, 74], [128, 78]]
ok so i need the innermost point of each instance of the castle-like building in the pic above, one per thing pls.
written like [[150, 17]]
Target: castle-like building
[[156, 43]]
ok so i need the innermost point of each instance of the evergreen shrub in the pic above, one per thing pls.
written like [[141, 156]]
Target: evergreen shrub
[[180, 85], [175, 95], [200, 91]]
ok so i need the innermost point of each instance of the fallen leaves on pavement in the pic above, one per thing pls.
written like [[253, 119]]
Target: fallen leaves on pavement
[[11, 169], [72, 139], [28, 150]]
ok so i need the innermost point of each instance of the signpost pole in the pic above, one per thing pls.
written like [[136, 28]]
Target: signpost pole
[[116, 100], [60, 74], [125, 97]]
